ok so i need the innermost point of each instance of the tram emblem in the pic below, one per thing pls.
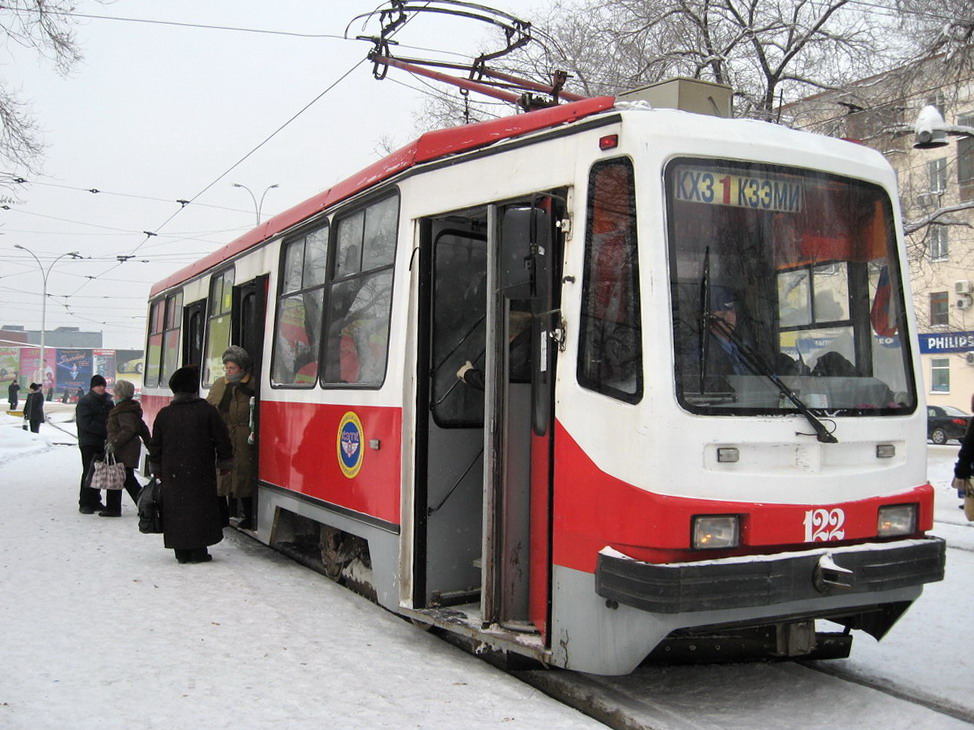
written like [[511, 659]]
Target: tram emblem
[[822, 525], [350, 452]]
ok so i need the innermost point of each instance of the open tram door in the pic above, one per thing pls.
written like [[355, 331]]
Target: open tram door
[[482, 500], [247, 331]]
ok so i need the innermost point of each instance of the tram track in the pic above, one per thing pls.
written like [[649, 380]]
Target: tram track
[[669, 698], [912, 695]]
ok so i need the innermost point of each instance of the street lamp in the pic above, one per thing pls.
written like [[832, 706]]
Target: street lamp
[[44, 275], [931, 131], [257, 206]]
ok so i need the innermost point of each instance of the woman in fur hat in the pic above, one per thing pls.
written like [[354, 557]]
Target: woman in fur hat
[[126, 434], [189, 444], [232, 395]]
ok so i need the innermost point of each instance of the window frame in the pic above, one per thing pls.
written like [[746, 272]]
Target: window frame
[[939, 302], [210, 317], [940, 365], [301, 237], [334, 282], [581, 375]]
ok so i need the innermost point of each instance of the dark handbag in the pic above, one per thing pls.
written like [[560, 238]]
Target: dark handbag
[[149, 504]]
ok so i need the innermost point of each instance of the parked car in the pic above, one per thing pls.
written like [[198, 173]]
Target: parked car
[[131, 366], [945, 423]]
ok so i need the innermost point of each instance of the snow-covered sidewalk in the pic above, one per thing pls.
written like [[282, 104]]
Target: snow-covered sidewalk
[[101, 628]]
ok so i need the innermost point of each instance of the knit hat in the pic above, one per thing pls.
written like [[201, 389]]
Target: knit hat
[[239, 356], [97, 380], [124, 390], [185, 380]]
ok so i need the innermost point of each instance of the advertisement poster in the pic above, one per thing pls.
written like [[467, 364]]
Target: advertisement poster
[[29, 357], [73, 370], [9, 366], [103, 363]]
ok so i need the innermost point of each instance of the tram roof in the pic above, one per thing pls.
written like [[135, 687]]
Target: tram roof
[[428, 147]]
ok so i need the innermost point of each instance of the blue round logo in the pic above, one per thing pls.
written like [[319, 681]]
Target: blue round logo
[[350, 452]]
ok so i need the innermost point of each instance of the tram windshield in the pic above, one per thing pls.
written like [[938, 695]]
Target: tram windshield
[[786, 292]]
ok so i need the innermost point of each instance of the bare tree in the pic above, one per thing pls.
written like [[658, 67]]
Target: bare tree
[[44, 26], [768, 51]]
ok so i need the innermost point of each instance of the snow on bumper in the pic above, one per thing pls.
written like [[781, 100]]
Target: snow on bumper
[[767, 580]]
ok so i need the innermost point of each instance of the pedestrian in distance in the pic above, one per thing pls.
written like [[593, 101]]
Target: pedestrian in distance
[[964, 468], [34, 408], [12, 396], [232, 396], [91, 418], [126, 434], [189, 444]]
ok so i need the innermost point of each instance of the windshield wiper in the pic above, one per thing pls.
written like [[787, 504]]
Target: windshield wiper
[[757, 365]]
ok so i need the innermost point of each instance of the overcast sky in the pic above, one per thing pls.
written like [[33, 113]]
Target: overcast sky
[[174, 110]]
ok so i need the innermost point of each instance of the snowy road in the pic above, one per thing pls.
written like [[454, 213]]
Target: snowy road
[[101, 628]]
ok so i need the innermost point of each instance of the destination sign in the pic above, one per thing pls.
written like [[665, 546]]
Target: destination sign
[[720, 187]]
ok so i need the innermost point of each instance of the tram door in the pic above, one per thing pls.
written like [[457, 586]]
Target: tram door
[[247, 331], [481, 465]]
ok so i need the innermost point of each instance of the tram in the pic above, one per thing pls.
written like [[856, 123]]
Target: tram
[[699, 418]]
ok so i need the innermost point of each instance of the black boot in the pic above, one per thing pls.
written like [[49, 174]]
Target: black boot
[[247, 523]]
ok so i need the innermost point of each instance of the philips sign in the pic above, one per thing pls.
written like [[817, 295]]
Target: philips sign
[[947, 342]]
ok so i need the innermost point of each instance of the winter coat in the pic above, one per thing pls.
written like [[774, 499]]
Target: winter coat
[[233, 402], [964, 468], [12, 393], [127, 432], [189, 443], [91, 415], [34, 407]]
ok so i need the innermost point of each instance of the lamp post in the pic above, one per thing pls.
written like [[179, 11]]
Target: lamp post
[[931, 131], [257, 206], [44, 275]]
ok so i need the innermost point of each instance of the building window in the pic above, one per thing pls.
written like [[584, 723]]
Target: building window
[[965, 160], [940, 375], [938, 243], [939, 308], [937, 172]]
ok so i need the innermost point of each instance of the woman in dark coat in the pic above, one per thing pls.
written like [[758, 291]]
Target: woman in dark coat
[[126, 434], [189, 443]]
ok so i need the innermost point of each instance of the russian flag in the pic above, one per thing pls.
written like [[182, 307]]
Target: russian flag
[[882, 313]]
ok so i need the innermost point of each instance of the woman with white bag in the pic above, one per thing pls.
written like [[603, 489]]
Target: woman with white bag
[[126, 434]]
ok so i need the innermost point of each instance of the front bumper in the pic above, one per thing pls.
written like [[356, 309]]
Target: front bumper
[[767, 580]]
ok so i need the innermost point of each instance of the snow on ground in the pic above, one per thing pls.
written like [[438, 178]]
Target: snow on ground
[[101, 628]]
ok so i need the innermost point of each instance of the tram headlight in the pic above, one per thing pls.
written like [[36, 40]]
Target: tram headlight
[[897, 519], [711, 532]]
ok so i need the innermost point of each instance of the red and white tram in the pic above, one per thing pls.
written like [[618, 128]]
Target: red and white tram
[[714, 429]]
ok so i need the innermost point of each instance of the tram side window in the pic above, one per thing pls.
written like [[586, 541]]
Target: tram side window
[[297, 335], [217, 325], [610, 345], [170, 340], [360, 295], [153, 350]]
